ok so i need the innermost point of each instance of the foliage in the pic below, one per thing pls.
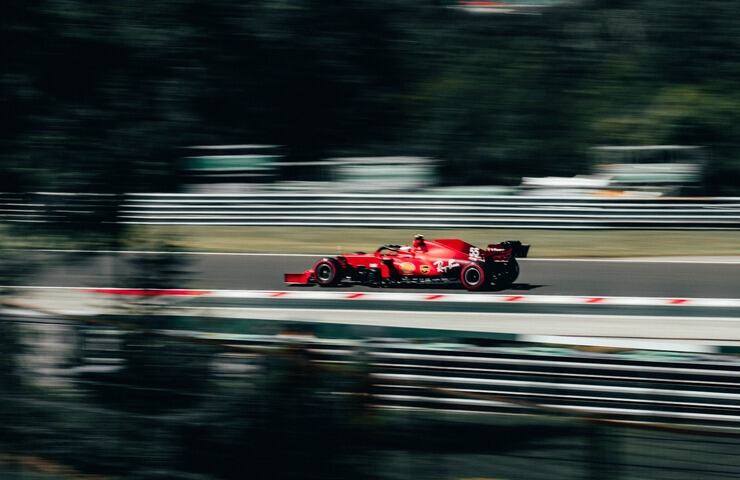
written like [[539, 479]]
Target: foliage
[[100, 96]]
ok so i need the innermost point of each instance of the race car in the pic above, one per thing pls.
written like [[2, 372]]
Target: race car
[[443, 261]]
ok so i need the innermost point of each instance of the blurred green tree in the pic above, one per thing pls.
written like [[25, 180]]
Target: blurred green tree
[[98, 97]]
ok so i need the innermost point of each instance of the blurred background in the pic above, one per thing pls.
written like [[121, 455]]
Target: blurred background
[[153, 153], [113, 97]]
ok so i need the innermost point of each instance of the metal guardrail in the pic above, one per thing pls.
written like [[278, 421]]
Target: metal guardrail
[[683, 407], [697, 392], [360, 210], [693, 394], [512, 446]]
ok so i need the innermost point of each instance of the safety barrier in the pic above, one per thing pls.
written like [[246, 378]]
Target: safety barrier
[[695, 391], [548, 412], [699, 391], [361, 210], [688, 393]]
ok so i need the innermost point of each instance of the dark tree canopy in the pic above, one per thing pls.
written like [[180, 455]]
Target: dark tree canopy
[[100, 96]]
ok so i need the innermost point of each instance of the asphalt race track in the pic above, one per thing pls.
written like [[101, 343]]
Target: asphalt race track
[[264, 272]]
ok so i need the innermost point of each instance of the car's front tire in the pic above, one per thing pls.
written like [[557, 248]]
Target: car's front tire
[[473, 277], [327, 272]]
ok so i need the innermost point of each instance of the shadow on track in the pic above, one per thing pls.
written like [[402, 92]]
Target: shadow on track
[[412, 287]]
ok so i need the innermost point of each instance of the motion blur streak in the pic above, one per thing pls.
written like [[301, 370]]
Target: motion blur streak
[[138, 139]]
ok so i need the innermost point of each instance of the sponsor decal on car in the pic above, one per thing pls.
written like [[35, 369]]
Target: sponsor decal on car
[[445, 265], [407, 267], [424, 269]]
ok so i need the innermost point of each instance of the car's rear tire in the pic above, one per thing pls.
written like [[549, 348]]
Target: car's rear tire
[[507, 276], [473, 277], [327, 272]]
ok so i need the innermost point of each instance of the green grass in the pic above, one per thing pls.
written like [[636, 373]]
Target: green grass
[[320, 240], [545, 243]]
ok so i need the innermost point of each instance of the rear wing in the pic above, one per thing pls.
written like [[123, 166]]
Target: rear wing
[[518, 249], [521, 250]]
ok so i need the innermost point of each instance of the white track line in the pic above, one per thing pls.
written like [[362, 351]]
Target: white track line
[[427, 297], [431, 296]]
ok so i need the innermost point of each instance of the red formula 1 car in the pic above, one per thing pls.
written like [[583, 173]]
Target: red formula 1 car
[[425, 262]]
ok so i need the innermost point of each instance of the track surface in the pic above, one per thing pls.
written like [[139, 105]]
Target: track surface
[[264, 272]]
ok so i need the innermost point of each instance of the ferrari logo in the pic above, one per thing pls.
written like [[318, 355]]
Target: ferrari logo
[[424, 269]]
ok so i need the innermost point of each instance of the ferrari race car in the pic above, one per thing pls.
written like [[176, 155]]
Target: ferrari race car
[[426, 262]]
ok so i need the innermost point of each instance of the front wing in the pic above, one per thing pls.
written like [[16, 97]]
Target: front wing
[[305, 278]]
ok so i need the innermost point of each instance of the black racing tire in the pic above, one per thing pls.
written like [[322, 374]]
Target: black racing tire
[[506, 277], [474, 277], [513, 270], [327, 272]]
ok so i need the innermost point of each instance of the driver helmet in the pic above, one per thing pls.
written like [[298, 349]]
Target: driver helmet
[[418, 240]]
